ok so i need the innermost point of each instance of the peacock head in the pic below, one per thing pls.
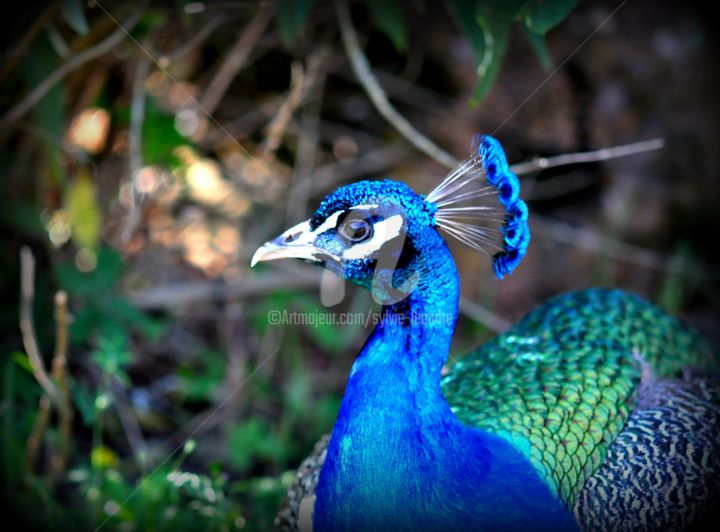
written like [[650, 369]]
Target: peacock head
[[378, 234]]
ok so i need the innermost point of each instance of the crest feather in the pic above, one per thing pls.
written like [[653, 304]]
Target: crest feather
[[479, 204]]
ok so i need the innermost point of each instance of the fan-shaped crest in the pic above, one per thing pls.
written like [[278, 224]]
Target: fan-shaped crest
[[479, 204]]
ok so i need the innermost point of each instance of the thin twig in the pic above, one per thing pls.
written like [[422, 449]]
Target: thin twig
[[236, 58], [604, 154], [75, 62], [32, 445], [133, 433], [174, 296], [370, 162], [306, 157], [165, 60], [137, 117], [56, 393], [361, 66], [594, 242], [301, 83], [59, 374], [27, 325], [276, 129], [480, 314], [12, 57]]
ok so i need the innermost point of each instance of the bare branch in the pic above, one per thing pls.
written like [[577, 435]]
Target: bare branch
[[594, 242], [173, 296], [361, 67], [236, 58], [59, 374], [56, 393], [32, 446], [301, 82], [604, 154], [75, 62], [330, 174], [308, 138], [137, 117], [165, 60], [480, 314], [276, 129], [27, 324], [11, 58], [129, 423]]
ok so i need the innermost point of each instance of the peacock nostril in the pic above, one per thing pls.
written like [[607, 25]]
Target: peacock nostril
[[292, 237]]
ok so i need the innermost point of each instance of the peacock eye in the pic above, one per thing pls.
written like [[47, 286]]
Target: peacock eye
[[356, 230]]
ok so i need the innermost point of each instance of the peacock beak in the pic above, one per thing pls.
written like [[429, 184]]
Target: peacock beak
[[295, 243]]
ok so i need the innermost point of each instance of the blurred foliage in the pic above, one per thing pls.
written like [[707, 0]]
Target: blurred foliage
[[187, 416]]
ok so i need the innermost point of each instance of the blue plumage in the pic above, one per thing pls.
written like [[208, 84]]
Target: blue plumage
[[398, 457]]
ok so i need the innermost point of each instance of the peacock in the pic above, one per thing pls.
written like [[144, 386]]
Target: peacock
[[597, 411]]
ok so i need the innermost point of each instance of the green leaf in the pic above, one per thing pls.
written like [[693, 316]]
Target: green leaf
[[84, 401], [113, 354], [539, 46], [83, 211], [487, 27], [291, 18], [201, 382], [254, 439], [21, 359], [72, 13], [496, 32], [159, 136], [388, 17], [540, 16]]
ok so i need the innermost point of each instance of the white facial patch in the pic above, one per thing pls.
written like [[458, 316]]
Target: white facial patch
[[383, 231], [329, 223]]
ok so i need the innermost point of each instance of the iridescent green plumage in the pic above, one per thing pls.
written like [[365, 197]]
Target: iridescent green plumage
[[562, 382]]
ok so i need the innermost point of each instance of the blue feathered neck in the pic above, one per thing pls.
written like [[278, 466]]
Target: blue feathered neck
[[398, 458]]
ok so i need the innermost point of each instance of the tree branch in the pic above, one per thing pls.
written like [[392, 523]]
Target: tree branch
[[604, 154], [75, 62], [594, 242], [236, 58], [12, 57], [59, 374], [301, 82], [137, 117], [361, 67], [480, 314], [56, 389], [27, 324], [165, 60]]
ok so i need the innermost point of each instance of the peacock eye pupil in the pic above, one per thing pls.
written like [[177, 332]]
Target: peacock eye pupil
[[356, 230]]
